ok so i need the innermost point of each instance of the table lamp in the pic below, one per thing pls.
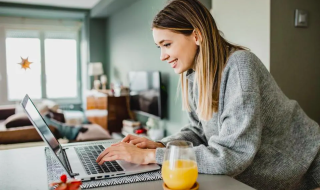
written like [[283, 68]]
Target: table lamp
[[103, 80], [95, 69]]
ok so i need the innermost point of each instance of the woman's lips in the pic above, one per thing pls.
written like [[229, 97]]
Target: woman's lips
[[174, 63]]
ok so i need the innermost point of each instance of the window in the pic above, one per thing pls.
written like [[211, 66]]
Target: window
[[61, 57], [54, 69], [22, 81]]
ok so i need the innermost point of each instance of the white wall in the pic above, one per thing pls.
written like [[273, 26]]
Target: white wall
[[247, 23]]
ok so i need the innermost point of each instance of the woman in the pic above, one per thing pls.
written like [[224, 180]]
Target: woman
[[241, 123]]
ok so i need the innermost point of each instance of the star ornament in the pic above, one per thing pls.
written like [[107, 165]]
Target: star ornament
[[25, 64]]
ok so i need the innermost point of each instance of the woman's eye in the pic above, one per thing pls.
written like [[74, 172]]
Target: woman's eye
[[167, 45]]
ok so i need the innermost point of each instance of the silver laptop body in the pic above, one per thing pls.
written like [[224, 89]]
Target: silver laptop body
[[72, 156]]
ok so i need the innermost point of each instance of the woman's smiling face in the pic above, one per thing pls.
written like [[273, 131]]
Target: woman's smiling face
[[177, 49]]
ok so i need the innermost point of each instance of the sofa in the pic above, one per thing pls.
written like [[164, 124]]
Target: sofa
[[21, 134]]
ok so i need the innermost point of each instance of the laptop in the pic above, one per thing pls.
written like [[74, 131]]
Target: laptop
[[80, 160]]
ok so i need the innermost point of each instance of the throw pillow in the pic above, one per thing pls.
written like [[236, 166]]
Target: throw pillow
[[17, 120]]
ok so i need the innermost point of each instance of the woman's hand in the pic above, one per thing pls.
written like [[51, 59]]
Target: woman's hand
[[140, 142], [127, 152]]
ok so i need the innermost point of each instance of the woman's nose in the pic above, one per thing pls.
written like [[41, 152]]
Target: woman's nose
[[164, 56]]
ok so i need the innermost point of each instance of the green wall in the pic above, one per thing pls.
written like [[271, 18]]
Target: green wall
[[130, 47], [97, 45]]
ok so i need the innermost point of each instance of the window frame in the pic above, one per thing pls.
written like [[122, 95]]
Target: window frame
[[4, 99]]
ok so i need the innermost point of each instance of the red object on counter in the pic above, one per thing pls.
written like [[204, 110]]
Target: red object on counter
[[72, 184], [140, 131]]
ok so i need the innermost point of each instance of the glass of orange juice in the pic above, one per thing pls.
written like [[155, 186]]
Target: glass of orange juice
[[179, 168]]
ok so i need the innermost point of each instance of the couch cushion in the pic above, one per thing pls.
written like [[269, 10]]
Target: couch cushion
[[6, 111], [17, 120]]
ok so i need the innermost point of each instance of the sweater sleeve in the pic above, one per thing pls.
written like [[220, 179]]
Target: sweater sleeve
[[193, 132]]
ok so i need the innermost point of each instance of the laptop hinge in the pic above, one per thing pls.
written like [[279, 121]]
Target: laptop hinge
[[67, 163]]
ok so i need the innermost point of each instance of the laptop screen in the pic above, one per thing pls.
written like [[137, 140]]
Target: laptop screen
[[43, 129]]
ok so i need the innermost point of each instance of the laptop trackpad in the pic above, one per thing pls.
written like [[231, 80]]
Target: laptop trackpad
[[129, 167]]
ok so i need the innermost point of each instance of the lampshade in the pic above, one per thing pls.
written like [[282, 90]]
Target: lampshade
[[95, 69]]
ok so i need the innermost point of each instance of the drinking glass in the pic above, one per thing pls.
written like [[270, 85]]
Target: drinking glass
[[179, 168]]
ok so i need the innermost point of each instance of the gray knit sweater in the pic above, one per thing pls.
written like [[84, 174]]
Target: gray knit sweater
[[258, 135]]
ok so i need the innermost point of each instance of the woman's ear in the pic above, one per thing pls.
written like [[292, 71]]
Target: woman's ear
[[197, 36]]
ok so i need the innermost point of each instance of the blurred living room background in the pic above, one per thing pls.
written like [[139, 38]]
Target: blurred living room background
[[74, 58]]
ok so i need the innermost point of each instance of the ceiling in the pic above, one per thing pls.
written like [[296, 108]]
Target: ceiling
[[80, 4]]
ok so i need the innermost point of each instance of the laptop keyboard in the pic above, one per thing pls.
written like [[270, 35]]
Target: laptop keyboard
[[88, 156]]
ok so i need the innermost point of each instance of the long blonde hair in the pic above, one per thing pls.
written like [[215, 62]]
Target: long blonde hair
[[185, 17]]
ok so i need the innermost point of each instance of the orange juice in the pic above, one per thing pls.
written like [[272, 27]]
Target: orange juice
[[182, 174]]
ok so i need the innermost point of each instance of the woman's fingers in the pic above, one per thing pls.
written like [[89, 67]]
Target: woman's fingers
[[128, 138], [103, 153], [125, 151], [141, 145], [115, 144], [137, 140], [140, 142], [109, 158]]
